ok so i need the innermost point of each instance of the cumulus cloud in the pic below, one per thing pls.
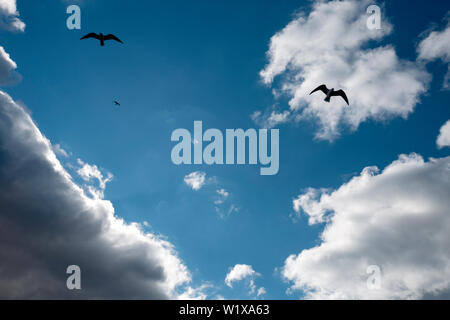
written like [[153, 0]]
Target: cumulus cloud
[[195, 180], [241, 272], [308, 203], [7, 68], [443, 139], [47, 222], [331, 45], [436, 45], [397, 219], [91, 172], [9, 16]]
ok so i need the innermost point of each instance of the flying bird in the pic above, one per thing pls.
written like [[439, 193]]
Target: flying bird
[[116, 103], [330, 93], [101, 37]]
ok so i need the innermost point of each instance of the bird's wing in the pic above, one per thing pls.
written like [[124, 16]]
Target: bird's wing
[[112, 37], [91, 35], [342, 94], [322, 88]]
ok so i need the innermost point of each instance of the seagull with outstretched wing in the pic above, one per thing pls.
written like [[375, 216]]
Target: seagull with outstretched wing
[[101, 37], [331, 93]]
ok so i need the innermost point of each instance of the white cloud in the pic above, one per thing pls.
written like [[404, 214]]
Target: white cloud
[[7, 68], [397, 219], [238, 273], [437, 46], [308, 202], [329, 45], [223, 195], [443, 139], [261, 291], [57, 149], [146, 224], [48, 223], [199, 293], [245, 272], [91, 172], [9, 16], [270, 118], [222, 204], [195, 180]]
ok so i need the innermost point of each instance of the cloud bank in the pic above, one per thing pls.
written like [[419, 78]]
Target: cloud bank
[[397, 219], [48, 222], [331, 45]]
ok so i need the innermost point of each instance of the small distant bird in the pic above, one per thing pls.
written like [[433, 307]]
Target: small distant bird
[[116, 103], [101, 37], [330, 93]]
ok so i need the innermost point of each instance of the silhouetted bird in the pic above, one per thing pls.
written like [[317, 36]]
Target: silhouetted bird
[[116, 103], [101, 37], [330, 93]]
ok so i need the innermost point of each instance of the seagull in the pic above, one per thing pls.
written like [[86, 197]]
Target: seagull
[[116, 103], [101, 37], [330, 93]]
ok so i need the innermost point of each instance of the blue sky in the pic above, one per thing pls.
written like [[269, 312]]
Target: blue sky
[[201, 60]]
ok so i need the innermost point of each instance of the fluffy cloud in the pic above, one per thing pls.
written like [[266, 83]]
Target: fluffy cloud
[[238, 273], [9, 16], [91, 172], [47, 222], [329, 45], [7, 68], [397, 219], [195, 180], [436, 45], [242, 272], [443, 139]]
